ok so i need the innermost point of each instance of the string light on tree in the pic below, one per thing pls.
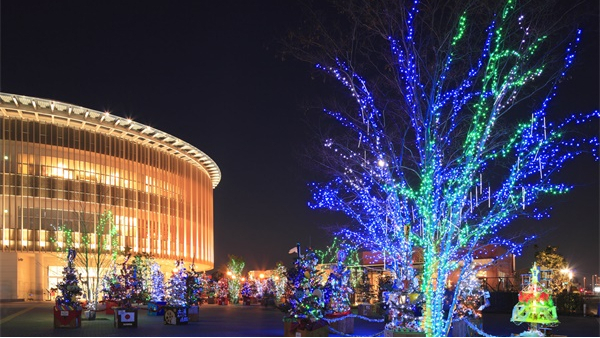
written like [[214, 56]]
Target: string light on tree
[[415, 177]]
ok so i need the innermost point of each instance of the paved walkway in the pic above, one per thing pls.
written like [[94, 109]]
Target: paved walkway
[[35, 319]]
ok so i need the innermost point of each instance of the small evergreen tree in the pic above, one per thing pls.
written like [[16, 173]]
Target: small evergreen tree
[[176, 290], [304, 294], [337, 288], [193, 287], [69, 287], [157, 291], [222, 289]]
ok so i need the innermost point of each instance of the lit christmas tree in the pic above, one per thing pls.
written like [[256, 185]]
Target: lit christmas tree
[[142, 268], [120, 287], [535, 306], [363, 290], [69, 287], [472, 298], [436, 162], [246, 290], [222, 289], [280, 279], [235, 266], [304, 295], [157, 291], [401, 312], [193, 287], [337, 288], [270, 288], [176, 290]]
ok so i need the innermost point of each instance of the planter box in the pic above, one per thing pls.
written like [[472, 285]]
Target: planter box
[[194, 313], [344, 325], [211, 300], [393, 333], [176, 315], [156, 308], [67, 318], [110, 306], [126, 317], [223, 301], [461, 329]]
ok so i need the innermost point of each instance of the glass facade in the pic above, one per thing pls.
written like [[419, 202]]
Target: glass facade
[[64, 166]]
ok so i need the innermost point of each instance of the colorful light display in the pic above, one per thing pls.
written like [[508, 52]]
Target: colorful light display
[[69, 287], [177, 286], [303, 292], [234, 273], [535, 305], [448, 171], [157, 290]]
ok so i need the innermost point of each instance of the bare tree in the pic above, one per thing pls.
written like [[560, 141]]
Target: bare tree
[[447, 136]]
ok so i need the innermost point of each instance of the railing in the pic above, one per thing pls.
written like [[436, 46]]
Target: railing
[[500, 284]]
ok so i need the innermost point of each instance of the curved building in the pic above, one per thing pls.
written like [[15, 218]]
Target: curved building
[[64, 165]]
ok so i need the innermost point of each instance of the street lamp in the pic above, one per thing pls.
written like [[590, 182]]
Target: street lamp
[[569, 273]]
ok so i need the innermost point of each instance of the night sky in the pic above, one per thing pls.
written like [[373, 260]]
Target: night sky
[[208, 72]]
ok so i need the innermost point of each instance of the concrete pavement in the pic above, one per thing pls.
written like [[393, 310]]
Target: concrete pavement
[[35, 319]]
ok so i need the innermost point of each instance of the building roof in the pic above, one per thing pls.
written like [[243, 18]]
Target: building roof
[[60, 113]]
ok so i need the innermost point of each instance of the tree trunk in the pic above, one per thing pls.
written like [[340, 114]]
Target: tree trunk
[[434, 282]]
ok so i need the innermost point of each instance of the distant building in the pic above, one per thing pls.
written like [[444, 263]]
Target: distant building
[[62, 164], [497, 273]]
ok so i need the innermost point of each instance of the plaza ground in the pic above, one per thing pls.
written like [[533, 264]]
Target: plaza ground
[[35, 319]]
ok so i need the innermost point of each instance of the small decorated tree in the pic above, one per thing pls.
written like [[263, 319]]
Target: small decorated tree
[[142, 267], [234, 274], [67, 311], [247, 290], [176, 290], [193, 287], [472, 299], [401, 312], [337, 288], [363, 290], [269, 292], [222, 289], [119, 288], [304, 305], [402, 303], [535, 306], [69, 287], [157, 290], [280, 279]]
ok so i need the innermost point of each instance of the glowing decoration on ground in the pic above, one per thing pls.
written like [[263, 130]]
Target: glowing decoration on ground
[[535, 305], [436, 169]]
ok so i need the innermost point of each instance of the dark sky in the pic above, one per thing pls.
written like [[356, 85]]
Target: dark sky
[[208, 73]]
